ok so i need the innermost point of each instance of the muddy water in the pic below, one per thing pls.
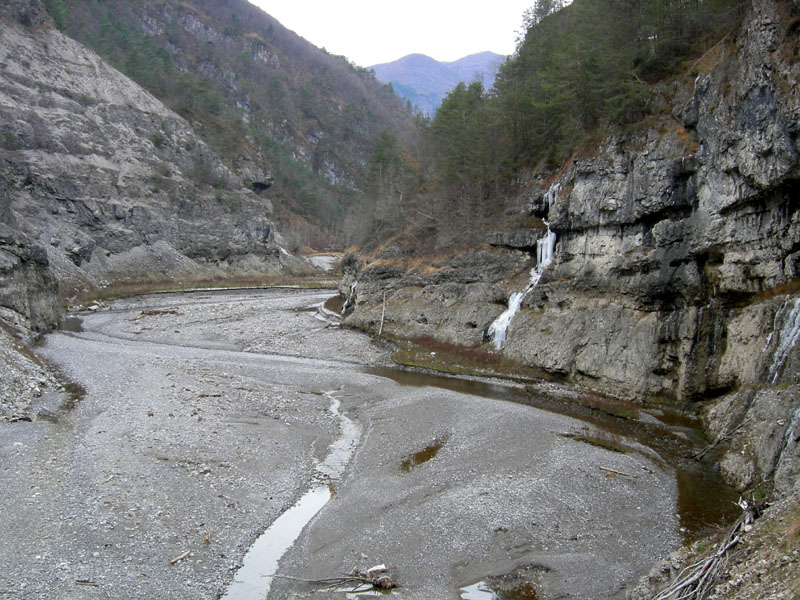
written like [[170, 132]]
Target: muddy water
[[72, 324], [485, 591], [429, 452]]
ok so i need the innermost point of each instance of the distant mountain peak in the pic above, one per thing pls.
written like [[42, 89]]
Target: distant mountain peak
[[425, 81], [409, 59], [485, 55]]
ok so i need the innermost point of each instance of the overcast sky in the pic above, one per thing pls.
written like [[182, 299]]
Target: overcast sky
[[370, 32]]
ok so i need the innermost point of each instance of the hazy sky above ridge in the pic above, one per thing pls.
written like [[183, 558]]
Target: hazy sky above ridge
[[370, 32]]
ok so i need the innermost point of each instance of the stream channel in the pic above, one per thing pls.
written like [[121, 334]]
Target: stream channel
[[231, 444]]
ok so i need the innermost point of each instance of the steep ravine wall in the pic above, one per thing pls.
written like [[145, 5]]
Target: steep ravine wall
[[108, 183], [677, 262], [101, 184]]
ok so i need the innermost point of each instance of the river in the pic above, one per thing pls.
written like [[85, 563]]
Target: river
[[203, 418]]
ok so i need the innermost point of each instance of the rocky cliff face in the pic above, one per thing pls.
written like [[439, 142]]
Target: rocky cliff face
[[106, 180], [28, 290], [321, 109], [259, 95], [675, 274]]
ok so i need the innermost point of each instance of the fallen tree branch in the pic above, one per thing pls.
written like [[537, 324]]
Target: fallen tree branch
[[699, 455], [180, 557], [696, 581], [617, 472], [697, 62]]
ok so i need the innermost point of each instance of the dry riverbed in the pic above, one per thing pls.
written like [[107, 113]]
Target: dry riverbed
[[206, 415]]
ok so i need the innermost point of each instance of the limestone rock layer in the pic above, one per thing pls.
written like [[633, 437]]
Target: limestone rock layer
[[677, 261]]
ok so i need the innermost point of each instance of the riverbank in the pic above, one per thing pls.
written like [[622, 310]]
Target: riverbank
[[206, 415]]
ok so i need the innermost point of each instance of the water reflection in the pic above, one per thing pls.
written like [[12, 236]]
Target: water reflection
[[478, 591], [254, 578]]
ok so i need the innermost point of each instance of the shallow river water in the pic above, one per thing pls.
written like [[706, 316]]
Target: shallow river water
[[208, 416]]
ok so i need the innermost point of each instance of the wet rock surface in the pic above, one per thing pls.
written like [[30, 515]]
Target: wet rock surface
[[204, 417], [28, 291]]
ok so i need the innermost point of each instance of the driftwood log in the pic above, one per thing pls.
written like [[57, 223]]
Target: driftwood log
[[377, 577]]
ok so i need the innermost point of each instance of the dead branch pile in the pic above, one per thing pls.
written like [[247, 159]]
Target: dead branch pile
[[696, 581]]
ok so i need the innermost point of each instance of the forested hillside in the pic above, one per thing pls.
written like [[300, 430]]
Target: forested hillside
[[256, 92], [580, 72]]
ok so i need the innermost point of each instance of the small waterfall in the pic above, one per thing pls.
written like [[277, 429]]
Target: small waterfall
[[789, 436], [787, 337], [718, 336], [551, 195], [348, 303], [544, 256], [498, 328], [544, 249]]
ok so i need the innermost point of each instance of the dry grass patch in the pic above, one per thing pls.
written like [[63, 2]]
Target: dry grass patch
[[788, 287], [610, 406], [427, 352], [397, 263]]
